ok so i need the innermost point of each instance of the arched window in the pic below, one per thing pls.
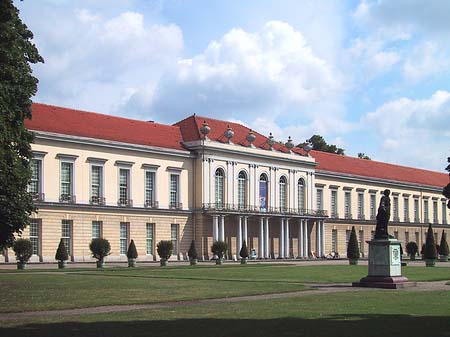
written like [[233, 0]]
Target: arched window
[[301, 195], [283, 201], [219, 187], [242, 189], [263, 193]]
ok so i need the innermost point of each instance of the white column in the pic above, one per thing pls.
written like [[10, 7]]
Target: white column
[[318, 239], [215, 227], [266, 233], [245, 231], [322, 227], [229, 181], [261, 238], [300, 239], [212, 196], [239, 236], [205, 182], [286, 240], [222, 229], [305, 237], [282, 238], [234, 184]]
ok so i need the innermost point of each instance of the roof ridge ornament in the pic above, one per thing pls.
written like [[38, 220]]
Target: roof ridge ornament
[[229, 133], [205, 129], [251, 137], [307, 146], [270, 141], [289, 144]]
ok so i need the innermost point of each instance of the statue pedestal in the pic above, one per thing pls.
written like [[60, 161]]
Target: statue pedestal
[[385, 266]]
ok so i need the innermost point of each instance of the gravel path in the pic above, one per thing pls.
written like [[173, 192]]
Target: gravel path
[[318, 289]]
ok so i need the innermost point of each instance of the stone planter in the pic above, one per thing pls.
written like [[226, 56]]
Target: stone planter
[[62, 264], [353, 262], [430, 262], [443, 258], [131, 263], [219, 261], [163, 262], [21, 265], [243, 261], [100, 263], [193, 262]]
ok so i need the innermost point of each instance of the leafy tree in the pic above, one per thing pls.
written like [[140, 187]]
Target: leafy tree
[[430, 246], [23, 248], [219, 248], [100, 248], [164, 249], [353, 247], [243, 253], [412, 249], [319, 144], [443, 247], [362, 155], [192, 252], [61, 252], [132, 251], [17, 86]]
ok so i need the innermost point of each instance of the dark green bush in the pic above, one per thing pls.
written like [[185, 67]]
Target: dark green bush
[[132, 252], [244, 250], [430, 246], [412, 249], [100, 248], [164, 249], [353, 247], [443, 247], [219, 248], [23, 248], [61, 252], [192, 252]]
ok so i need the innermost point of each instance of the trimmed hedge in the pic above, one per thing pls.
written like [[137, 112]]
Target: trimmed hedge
[[132, 252], [164, 249], [61, 252], [192, 252], [243, 253], [430, 252], [23, 248], [100, 248], [219, 248], [353, 247], [443, 247], [412, 249]]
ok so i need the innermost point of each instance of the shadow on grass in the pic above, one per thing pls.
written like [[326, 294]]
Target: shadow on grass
[[336, 326]]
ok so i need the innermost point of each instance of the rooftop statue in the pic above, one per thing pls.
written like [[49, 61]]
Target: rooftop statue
[[383, 215]]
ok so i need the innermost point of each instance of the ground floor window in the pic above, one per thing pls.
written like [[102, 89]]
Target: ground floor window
[[34, 235], [124, 237], [174, 237], [66, 235], [361, 241], [347, 237], [150, 232], [334, 242], [97, 229], [406, 237]]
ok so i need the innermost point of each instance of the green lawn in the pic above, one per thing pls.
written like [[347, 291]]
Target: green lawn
[[367, 313]]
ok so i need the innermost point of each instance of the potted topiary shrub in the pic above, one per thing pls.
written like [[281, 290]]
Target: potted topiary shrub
[[132, 254], [243, 253], [430, 252], [192, 253], [443, 247], [353, 248], [100, 249], [164, 249], [219, 248], [23, 248], [61, 255], [412, 249]]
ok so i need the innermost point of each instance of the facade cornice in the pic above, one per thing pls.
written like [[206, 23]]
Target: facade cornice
[[111, 144], [400, 184]]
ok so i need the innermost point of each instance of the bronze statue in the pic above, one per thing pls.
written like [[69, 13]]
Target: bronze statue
[[383, 215]]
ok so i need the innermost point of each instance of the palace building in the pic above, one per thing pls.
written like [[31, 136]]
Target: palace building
[[204, 179]]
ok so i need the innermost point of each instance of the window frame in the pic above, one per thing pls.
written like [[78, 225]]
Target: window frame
[[124, 248]]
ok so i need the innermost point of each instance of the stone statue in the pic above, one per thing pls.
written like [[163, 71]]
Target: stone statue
[[383, 215]]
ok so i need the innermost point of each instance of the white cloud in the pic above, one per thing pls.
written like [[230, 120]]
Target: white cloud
[[413, 131]]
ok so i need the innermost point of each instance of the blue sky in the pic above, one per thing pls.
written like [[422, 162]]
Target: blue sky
[[369, 76]]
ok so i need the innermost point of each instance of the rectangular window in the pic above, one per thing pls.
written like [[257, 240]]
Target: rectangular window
[[361, 241], [361, 206], [348, 205], [66, 235], [334, 207], [435, 211], [425, 211], [66, 181], [347, 237], [334, 243], [319, 199], [174, 237], [416, 234], [34, 186], [124, 226], [406, 209], [372, 235], [97, 229], [373, 207], [150, 189], [395, 208], [124, 186], [34, 235], [444, 213], [96, 184], [416, 211], [174, 191], [396, 234], [150, 232], [406, 237]]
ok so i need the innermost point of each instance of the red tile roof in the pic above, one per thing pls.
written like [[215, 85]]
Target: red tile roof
[[190, 129], [374, 169], [93, 125]]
